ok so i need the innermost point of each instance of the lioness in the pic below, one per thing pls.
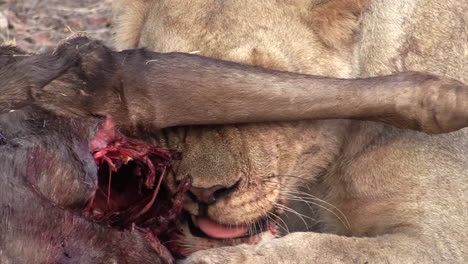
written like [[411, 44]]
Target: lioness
[[59, 204], [385, 195]]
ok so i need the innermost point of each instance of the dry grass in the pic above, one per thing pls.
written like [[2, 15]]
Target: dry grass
[[39, 25]]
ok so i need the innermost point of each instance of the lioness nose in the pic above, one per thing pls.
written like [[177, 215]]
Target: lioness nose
[[211, 194]]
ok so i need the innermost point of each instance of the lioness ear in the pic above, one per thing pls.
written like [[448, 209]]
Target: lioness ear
[[337, 21], [129, 17]]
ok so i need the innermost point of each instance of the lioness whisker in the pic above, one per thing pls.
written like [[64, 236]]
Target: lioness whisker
[[300, 194], [276, 179], [254, 228], [170, 241], [345, 223], [295, 194], [270, 219], [283, 226], [295, 177], [291, 210], [301, 216]]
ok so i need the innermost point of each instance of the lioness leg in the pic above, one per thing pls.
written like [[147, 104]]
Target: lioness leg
[[308, 247]]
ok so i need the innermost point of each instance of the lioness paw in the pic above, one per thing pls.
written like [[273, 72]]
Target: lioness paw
[[286, 249], [224, 255]]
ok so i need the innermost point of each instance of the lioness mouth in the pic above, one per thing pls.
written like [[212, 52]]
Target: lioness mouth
[[203, 226]]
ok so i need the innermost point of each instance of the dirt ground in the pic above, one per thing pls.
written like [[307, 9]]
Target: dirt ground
[[39, 25]]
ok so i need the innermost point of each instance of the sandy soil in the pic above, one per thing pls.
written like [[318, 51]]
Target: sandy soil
[[39, 25]]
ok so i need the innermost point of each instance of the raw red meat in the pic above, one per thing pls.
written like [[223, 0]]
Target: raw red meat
[[130, 194]]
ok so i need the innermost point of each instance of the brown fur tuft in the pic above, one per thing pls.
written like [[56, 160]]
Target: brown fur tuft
[[336, 22]]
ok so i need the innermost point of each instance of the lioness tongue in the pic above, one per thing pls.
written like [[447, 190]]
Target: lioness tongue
[[217, 230]]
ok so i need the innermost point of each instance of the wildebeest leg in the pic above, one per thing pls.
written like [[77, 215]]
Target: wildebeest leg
[[147, 90], [20, 72], [183, 89]]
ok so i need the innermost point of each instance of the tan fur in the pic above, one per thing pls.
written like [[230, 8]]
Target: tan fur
[[336, 22], [398, 196], [131, 16]]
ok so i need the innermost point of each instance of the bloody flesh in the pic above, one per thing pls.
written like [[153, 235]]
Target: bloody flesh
[[130, 194]]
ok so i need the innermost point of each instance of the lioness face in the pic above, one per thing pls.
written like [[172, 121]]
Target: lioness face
[[244, 174]]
